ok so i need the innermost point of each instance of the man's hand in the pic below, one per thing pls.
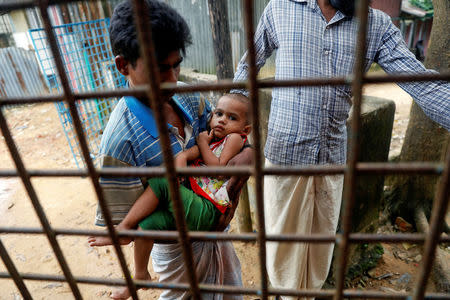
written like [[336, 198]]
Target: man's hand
[[234, 187]]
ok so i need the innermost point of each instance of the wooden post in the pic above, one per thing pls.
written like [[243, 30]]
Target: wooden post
[[243, 216], [218, 16]]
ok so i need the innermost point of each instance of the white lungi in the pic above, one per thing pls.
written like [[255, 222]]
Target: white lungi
[[215, 263], [302, 205]]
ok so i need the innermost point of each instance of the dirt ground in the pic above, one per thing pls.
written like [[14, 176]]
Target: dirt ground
[[71, 202]]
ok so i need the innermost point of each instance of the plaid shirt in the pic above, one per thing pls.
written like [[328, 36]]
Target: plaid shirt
[[131, 138], [307, 125]]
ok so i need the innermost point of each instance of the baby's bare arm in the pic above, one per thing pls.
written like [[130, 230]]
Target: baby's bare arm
[[232, 147], [187, 155]]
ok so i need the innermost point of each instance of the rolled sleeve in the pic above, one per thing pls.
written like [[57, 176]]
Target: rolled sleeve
[[120, 193], [395, 58]]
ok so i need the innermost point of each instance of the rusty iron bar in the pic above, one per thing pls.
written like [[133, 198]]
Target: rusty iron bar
[[373, 168], [37, 206], [256, 134], [226, 289], [438, 213], [416, 238], [18, 280], [43, 6], [15, 4], [140, 91], [154, 93], [22, 4], [351, 172]]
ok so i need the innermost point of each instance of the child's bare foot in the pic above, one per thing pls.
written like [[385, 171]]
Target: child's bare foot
[[124, 293], [96, 241]]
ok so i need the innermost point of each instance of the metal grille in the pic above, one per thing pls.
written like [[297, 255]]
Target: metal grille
[[86, 53], [351, 170]]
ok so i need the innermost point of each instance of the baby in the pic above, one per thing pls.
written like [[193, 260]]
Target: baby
[[204, 198]]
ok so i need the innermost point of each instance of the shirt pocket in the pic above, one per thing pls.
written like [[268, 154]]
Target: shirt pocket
[[345, 62]]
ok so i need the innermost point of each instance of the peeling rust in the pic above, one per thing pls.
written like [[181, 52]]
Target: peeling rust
[[18, 73]]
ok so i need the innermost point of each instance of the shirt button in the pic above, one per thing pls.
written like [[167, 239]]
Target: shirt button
[[324, 106], [326, 52]]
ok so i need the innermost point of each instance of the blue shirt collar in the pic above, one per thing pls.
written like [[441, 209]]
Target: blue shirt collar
[[145, 115]]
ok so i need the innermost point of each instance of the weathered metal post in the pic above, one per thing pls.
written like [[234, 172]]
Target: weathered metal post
[[218, 16]]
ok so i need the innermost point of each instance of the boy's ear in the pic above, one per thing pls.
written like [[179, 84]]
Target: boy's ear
[[247, 129], [121, 65]]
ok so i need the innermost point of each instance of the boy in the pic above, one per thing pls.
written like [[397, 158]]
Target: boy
[[204, 198], [131, 138]]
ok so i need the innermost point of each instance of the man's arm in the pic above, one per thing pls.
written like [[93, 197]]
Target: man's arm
[[235, 184], [395, 58], [266, 41]]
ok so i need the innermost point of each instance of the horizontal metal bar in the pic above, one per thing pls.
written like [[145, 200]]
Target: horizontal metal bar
[[226, 85], [136, 92], [372, 168], [29, 100], [224, 289], [22, 4], [7, 5], [241, 237]]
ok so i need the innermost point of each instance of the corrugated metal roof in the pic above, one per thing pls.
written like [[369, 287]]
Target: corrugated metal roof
[[20, 74]]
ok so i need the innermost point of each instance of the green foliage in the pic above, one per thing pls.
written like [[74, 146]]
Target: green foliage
[[423, 4], [369, 257]]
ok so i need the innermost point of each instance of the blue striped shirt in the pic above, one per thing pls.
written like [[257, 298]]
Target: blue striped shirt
[[307, 125], [131, 138]]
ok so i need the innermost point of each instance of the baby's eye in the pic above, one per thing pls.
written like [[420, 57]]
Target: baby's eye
[[218, 113], [232, 118]]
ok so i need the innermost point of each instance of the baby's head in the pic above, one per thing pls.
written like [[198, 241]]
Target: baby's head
[[231, 116]]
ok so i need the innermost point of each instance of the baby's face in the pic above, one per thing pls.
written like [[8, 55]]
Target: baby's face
[[230, 116]]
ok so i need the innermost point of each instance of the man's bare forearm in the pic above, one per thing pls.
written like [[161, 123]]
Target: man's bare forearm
[[245, 157]]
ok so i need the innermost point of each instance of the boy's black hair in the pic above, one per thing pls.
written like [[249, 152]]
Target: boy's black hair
[[169, 30]]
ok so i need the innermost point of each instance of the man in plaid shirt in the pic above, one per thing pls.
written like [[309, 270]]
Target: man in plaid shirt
[[307, 125]]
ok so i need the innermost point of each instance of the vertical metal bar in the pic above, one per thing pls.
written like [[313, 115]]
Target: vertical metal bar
[[14, 273], [437, 223], [148, 54], [257, 167], [350, 173], [43, 5]]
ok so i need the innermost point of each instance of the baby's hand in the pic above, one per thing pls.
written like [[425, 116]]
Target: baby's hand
[[205, 137]]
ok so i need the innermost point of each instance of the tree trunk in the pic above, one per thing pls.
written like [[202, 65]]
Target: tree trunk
[[218, 16], [424, 140]]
